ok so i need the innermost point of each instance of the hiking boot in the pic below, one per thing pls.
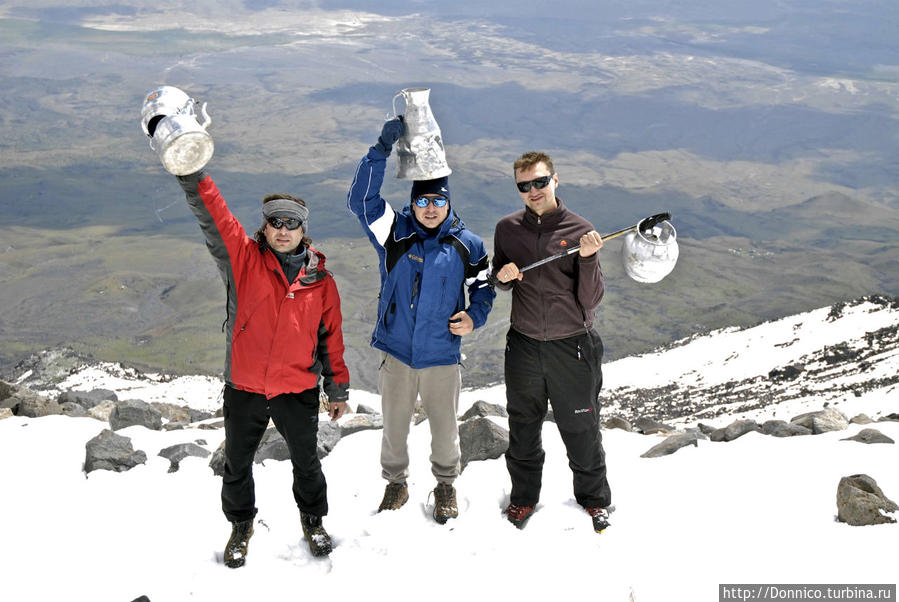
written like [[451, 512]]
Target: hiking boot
[[315, 534], [600, 518], [445, 506], [518, 515], [395, 495], [236, 549]]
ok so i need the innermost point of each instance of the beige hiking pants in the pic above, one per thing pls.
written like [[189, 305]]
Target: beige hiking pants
[[438, 386]]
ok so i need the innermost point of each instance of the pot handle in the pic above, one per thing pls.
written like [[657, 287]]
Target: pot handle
[[397, 95], [207, 120]]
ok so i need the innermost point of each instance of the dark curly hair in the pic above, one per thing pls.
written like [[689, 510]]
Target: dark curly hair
[[260, 233]]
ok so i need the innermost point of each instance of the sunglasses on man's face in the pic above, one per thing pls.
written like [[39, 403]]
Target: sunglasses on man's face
[[291, 223], [538, 183], [439, 201]]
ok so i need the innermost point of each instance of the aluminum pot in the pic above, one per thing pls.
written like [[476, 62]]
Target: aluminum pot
[[169, 119], [420, 153], [650, 255]]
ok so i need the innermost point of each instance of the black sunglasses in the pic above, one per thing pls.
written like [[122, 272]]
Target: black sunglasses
[[291, 223], [423, 201], [538, 183]]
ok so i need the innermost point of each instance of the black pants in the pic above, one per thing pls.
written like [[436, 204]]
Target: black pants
[[566, 372], [296, 417]]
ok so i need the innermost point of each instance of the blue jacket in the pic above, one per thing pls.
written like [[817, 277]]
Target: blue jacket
[[423, 276]]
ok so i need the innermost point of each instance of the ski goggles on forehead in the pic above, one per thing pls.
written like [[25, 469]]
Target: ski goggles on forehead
[[423, 201], [538, 183], [291, 223]]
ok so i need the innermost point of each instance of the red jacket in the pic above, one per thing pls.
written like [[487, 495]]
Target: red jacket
[[281, 336]]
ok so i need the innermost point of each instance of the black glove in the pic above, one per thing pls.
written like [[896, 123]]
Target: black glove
[[390, 133]]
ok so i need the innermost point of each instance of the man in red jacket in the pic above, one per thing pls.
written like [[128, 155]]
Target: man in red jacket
[[283, 336], [552, 352]]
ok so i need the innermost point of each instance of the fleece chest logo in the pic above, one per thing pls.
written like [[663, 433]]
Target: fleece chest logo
[[583, 410], [414, 257]]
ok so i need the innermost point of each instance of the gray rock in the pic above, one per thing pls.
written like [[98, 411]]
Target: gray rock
[[706, 429], [361, 422], [364, 409], [328, 436], [272, 447], [869, 436], [648, 426], [482, 408], [782, 428], [101, 411], [176, 453], [87, 399], [6, 389], [198, 415], [672, 443], [70, 408], [217, 461], [109, 451], [861, 502], [481, 439], [617, 422], [861, 419], [35, 406], [734, 430], [889, 418], [131, 412], [172, 412], [823, 421], [211, 426]]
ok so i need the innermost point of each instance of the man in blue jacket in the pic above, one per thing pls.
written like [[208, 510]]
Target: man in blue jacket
[[427, 259]]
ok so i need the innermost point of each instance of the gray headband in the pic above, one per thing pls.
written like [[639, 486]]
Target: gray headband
[[285, 208]]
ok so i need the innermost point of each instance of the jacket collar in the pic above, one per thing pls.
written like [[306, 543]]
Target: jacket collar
[[548, 219]]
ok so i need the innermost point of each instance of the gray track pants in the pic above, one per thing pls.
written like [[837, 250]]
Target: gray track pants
[[400, 386]]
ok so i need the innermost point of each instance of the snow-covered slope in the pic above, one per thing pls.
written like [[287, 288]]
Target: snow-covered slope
[[758, 509]]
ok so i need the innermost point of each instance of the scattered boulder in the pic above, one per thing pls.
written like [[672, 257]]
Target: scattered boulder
[[734, 430], [272, 447], [617, 422], [102, 410], [672, 443], [648, 426], [172, 412], [861, 419], [217, 461], [6, 389], [894, 417], [5, 413], [176, 453], [132, 412], [364, 409], [869, 436], [482, 408], [328, 435], [822, 421], [861, 502], [33, 405], [786, 373], [74, 410], [87, 399], [482, 439], [782, 428], [361, 422], [109, 451], [211, 426], [706, 429]]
